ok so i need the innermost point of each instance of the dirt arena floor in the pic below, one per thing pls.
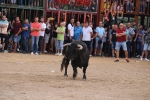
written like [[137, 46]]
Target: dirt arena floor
[[38, 77]]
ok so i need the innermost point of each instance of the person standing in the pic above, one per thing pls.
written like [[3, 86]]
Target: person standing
[[113, 39], [3, 31], [47, 34], [87, 35], [133, 44], [17, 28], [35, 33], [129, 38], [138, 38], [77, 31], [146, 43], [42, 33], [121, 41], [71, 30], [54, 38], [100, 31], [25, 35], [60, 39]]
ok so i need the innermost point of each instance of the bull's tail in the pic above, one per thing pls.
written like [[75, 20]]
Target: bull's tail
[[62, 64]]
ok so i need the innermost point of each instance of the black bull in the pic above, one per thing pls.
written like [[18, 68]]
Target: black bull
[[78, 53]]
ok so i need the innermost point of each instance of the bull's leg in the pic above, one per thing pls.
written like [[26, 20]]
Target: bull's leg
[[66, 66], [84, 72], [74, 72]]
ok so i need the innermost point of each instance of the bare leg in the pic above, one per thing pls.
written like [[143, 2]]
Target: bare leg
[[15, 47], [126, 54], [117, 54]]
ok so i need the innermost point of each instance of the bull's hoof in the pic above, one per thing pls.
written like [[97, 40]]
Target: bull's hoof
[[84, 78], [66, 75]]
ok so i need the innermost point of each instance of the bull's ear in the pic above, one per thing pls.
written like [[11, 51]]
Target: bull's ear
[[67, 44]]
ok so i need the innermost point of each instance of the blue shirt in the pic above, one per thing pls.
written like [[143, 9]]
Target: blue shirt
[[77, 32], [139, 39], [26, 33], [100, 31]]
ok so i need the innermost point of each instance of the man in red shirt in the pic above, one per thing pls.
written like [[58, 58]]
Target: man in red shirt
[[16, 36], [121, 41], [35, 33]]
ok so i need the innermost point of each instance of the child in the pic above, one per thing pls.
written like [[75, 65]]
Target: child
[[120, 11], [60, 39], [51, 4], [107, 9], [113, 10]]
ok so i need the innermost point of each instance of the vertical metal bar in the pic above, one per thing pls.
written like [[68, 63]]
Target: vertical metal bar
[[84, 17], [58, 16]]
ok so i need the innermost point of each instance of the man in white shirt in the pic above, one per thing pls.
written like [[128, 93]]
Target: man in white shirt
[[3, 31], [87, 34], [71, 29], [42, 33]]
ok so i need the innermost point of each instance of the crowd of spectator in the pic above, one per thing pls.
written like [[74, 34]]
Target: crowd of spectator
[[103, 40]]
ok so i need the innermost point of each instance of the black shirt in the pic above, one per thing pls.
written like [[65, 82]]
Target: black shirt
[[113, 33], [54, 33]]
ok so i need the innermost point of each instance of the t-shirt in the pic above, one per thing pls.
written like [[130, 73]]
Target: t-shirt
[[4, 30], [16, 27], [77, 32], [71, 28], [147, 38], [135, 29], [122, 38], [87, 33], [35, 25], [60, 36], [43, 25], [139, 38], [114, 38], [54, 33], [26, 33], [100, 31], [131, 32]]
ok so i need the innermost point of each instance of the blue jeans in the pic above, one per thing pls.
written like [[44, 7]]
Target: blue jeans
[[129, 6], [119, 44], [129, 48], [20, 2], [60, 44], [34, 45], [2, 1], [25, 43], [139, 48]]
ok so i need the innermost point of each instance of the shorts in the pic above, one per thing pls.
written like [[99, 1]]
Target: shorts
[[96, 44], [113, 45], [119, 44], [51, 0], [146, 47], [15, 38], [2, 38], [47, 38]]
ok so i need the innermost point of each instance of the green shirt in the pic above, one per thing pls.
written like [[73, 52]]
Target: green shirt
[[60, 36]]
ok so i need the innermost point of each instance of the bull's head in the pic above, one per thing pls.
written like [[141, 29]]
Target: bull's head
[[73, 50]]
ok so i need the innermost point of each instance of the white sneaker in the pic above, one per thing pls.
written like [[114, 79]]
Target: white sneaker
[[31, 53], [60, 54], [6, 51], [18, 50], [50, 8], [90, 55], [146, 59], [57, 54], [137, 56], [141, 58], [45, 51], [36, 53]]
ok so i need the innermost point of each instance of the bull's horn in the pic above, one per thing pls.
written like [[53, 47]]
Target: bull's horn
[[67, 44], [80, 47]]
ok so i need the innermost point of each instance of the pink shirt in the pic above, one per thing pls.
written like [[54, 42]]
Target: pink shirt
[[35, 25]]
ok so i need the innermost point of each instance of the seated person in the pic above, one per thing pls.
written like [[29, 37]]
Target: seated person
[[113, 10], [107, 9], [129, 7], [120, 11]]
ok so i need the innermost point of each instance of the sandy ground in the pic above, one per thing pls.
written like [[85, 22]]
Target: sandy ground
[[32, 77]]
